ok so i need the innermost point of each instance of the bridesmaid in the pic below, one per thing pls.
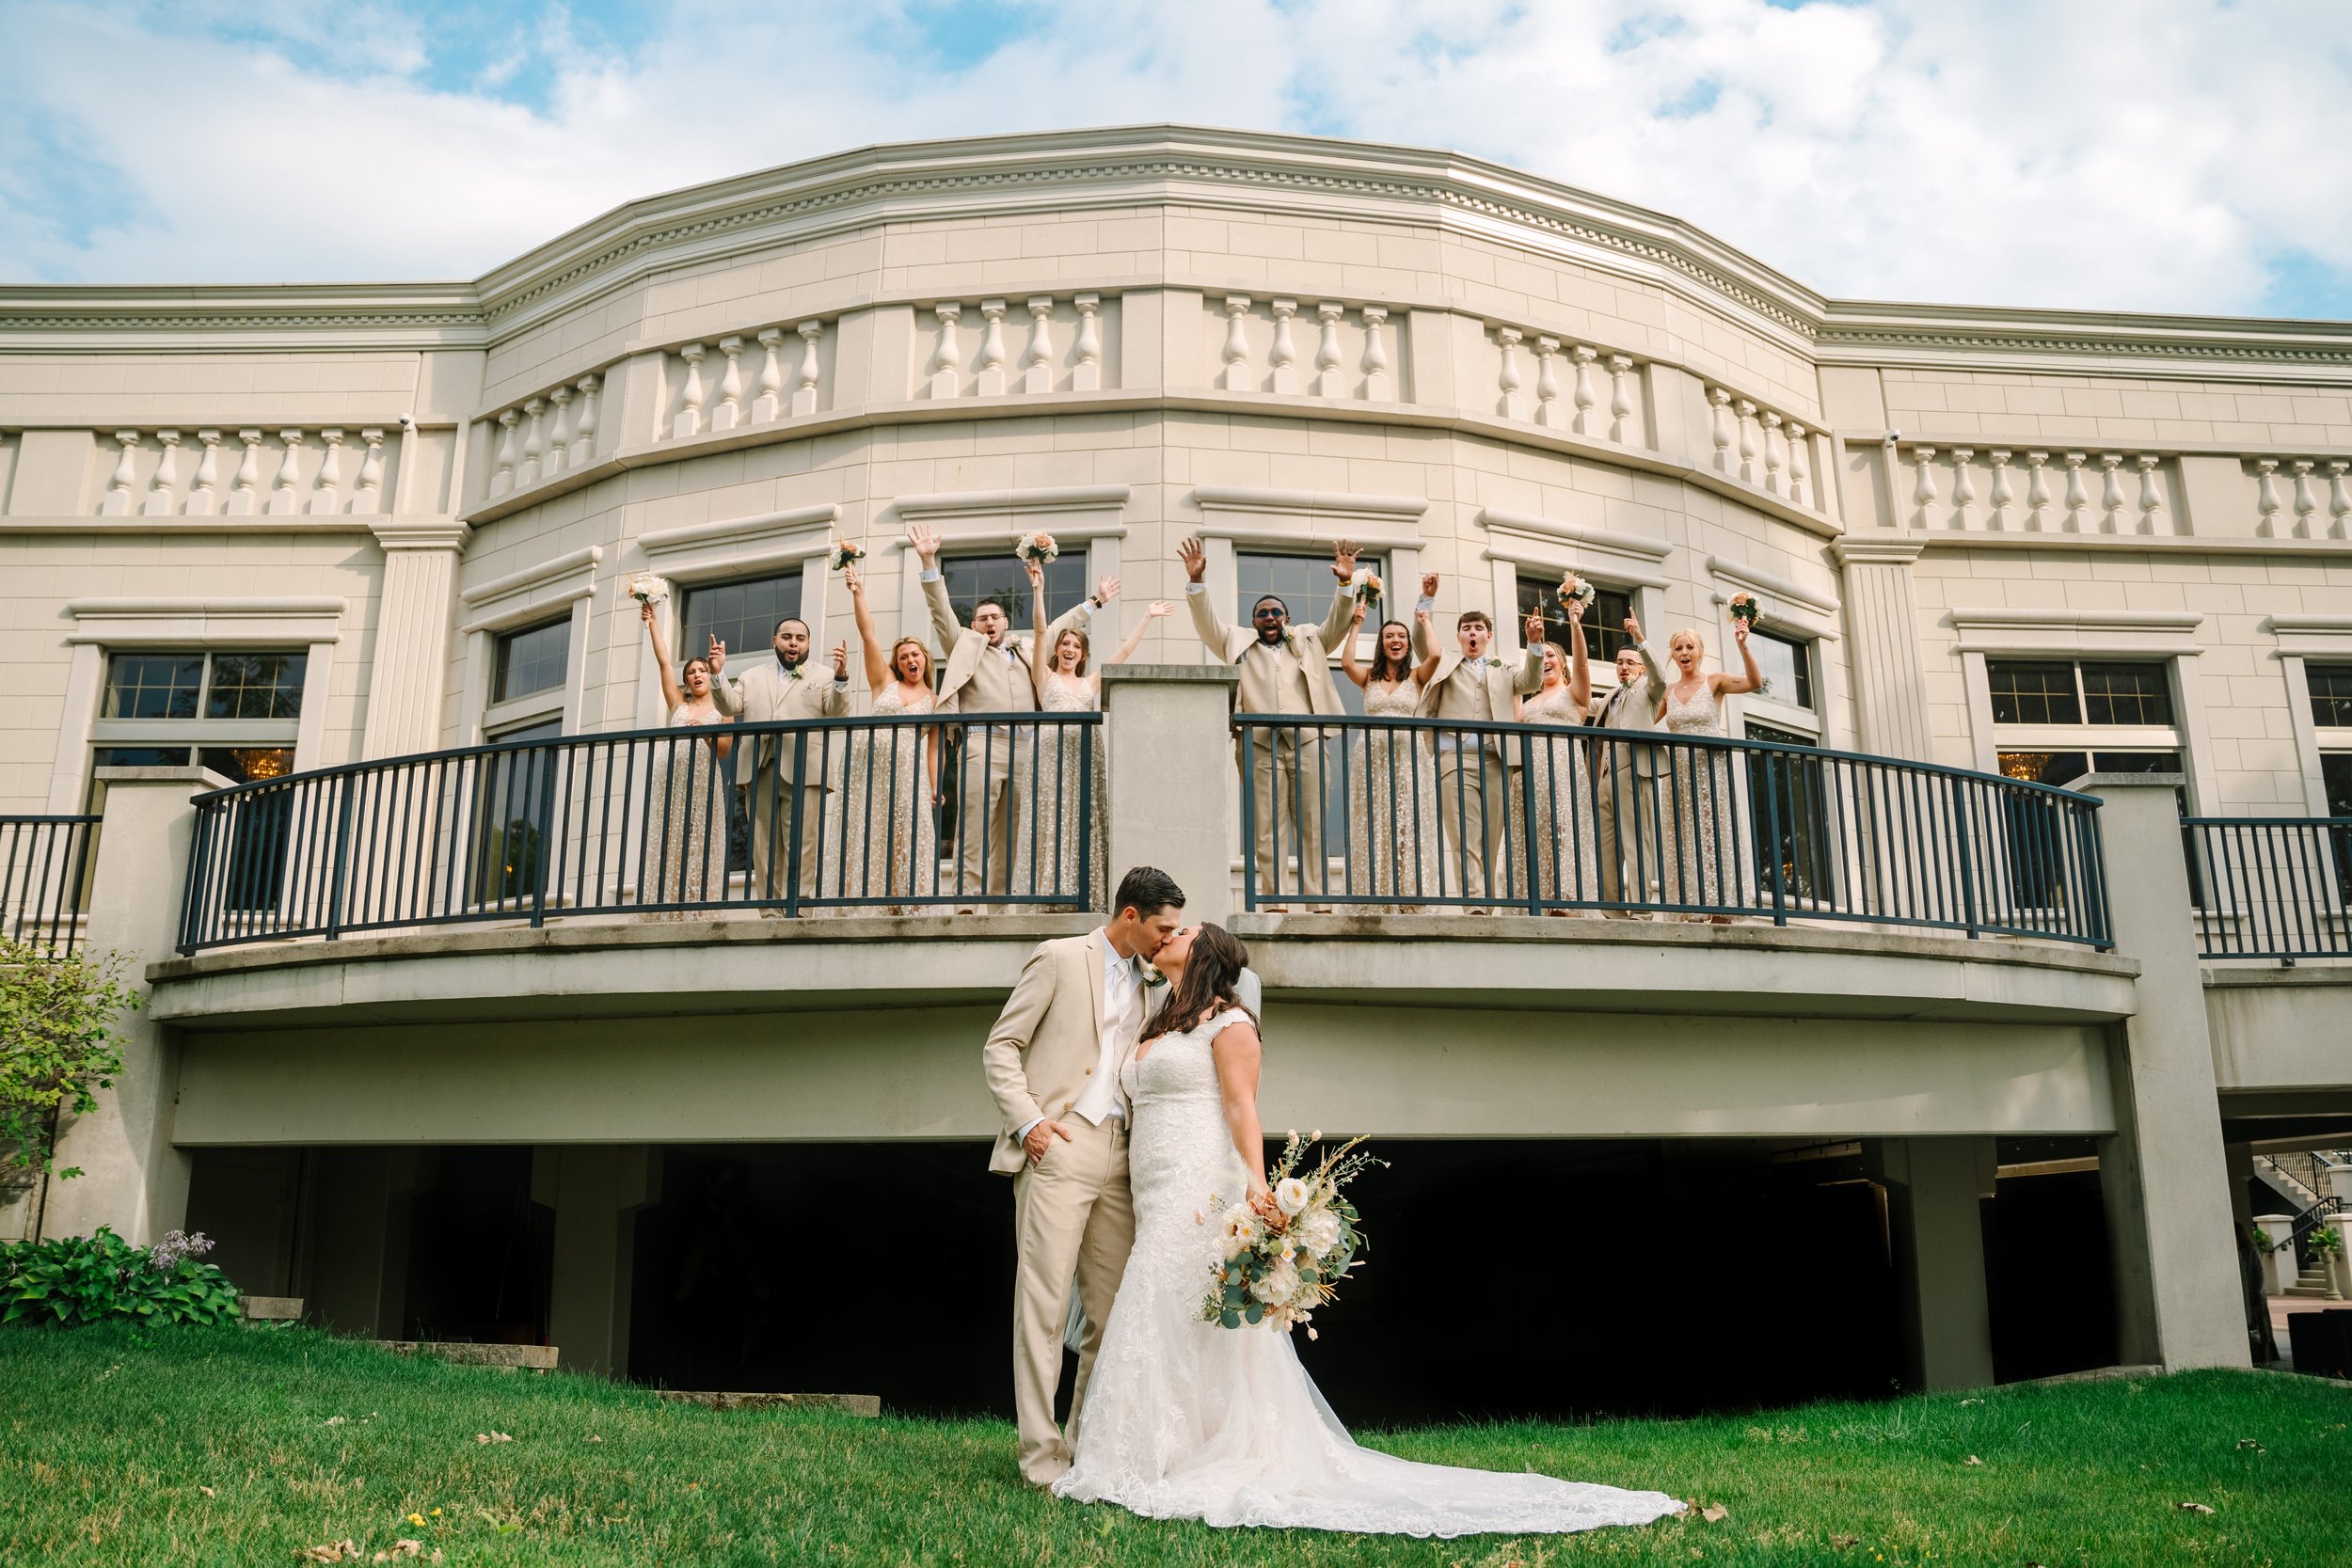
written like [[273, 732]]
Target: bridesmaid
[[1702, 775], [686, 826], [1063, 685], [889, 845], [1559, 786], [1393, 797]]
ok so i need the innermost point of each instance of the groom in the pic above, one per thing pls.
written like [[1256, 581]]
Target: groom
[[1053, 1063]]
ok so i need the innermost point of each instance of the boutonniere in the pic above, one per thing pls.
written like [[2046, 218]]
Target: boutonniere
[[792, 671], [1152, 978]]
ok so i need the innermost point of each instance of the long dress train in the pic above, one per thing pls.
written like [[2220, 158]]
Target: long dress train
[[686, 822], [1393, 805], [885, 845], [1051, 815], [1186, 1419]]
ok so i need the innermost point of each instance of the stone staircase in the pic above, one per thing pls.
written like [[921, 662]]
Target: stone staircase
[[2312, 1281]]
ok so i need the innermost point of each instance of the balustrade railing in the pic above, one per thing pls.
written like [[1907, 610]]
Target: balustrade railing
[[45, 873], [1406, 815], [323, 471], [947, 812], [2271, 887]]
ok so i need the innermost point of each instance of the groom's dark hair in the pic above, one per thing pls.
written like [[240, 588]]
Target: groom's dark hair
[[1147, 890]]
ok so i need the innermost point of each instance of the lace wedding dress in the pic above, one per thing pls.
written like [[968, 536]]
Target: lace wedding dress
[[886, 844], [1393, 803], [1056, 784], [686, 838], [1701, 786], [1562, 792], [1187, 1420]]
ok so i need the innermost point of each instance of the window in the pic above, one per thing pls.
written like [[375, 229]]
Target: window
[[534, 659], [152, 685], [2335, 772], [2331, 696], [1604, 618], [1787, 666], [1304, 583], [742, 615], [513, 791], [256, 686], [973, 577], [226, 685], [1789, 804], [2027, 692]]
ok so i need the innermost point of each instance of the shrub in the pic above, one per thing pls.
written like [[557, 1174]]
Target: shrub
[[69, 1280], [57, 1043]]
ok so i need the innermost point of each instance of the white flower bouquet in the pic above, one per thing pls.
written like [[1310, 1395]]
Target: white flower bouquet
[[1744, 607], [1278, 1272], [1367, 587], [648, 590], [1575, 590], [844, 555], [1038, 546]]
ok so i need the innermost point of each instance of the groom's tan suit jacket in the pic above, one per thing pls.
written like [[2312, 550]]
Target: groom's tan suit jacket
[[1047, 1041]]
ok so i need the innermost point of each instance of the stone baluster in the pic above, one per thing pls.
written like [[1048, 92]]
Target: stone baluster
[[1551, 412], [1772, 453], [687, 422], [2339, 499], [1285, 354], [326, 495], [584, 430], [2077, 496], [368, 499], [767, 394], [283, 500], [1086, 372], [1037, 364], [1586, 398], [502, 471], [2004, 493], [118, 501], [1963, 485], [2266, 497], [1375, 355], [805, 384], [729, 413], [2111, 491], [1235, 377], [2306, 503], [1620, 395], [559, 431], [204, 492], [1800, 469], [1923, 493], [1512, 405], [990, 382], [947, 365], [2037, 489], [244, 496], [1330, 381], [2151, 500], [1746, 412], [1718, 420], [534, 444], [160, 501]]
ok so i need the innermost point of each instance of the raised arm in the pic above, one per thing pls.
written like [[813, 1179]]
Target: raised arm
[[1580, 661], [876, 658], [1348, 665], [1152, 612], [1205, 619], [1424, 619], [943, 627], [1237, 1053], [670, 698], [1751, 678], [1530, 678], [1424, 647], [726, 695], [1040, 656], [1654, 682]]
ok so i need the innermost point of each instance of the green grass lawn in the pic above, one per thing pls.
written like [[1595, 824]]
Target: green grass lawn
[[234, 1446]]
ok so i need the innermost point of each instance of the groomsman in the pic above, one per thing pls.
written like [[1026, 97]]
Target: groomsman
[[987, 671], [781, 777], [1475, 773], [1283, 670], [1627, 839]]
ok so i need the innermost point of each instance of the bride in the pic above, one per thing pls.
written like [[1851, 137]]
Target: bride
[[1188, 1420]]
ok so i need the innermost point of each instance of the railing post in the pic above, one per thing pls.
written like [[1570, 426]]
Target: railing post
[[1526, 815], [1771, 828], [346, 787], [542, 852], [1966, 846], [792, 824]]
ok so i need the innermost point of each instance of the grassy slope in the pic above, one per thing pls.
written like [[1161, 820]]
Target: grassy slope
[[106, 1437]]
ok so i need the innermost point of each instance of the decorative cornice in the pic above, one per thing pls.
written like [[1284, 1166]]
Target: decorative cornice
[[1748, 577], [1998, 618], [1043, 500], [1313, 505], [1495, 520], [1862, 549], [741, 530], [583, 559]]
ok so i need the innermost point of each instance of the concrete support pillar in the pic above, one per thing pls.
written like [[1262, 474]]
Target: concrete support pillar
[[1171, 777], [356, 1277], [1935, 1186], [2165, 1184], [1882, 620], [412, 625], [595, 1190], [132, 1179]]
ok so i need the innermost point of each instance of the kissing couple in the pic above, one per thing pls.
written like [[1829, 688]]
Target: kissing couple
[[1130, 1111]]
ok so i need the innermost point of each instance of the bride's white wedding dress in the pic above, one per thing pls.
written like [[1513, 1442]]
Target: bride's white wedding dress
[[1187, 1420]]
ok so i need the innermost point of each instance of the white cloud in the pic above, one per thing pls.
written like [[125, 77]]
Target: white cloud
[[2158, 154]]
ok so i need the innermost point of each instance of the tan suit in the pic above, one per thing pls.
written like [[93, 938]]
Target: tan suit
[[774, 767], [1622, 788], [1073, 1214], [1286, 768], [995, 769], [1474, 797]]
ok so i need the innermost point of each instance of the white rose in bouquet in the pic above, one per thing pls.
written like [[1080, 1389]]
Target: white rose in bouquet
[[1318, 1232], [1278, 1284], [1289, 1195], [1239, 1231]]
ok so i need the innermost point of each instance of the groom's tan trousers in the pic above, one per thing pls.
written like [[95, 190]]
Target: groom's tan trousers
[[1071, 1214]]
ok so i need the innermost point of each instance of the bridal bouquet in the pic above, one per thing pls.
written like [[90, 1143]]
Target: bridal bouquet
[[844, 555], [1744, 607], [1367, 588], [1037, 547], [1279, 1273], [648, 590], [1575, 590]]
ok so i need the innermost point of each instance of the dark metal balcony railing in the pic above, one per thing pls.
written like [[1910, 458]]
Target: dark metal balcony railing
[[44, 872], [2271, 887], [1423, 814], [654, 822]]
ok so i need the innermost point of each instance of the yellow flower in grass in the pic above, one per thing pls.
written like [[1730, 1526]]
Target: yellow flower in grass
[[417, 1519]]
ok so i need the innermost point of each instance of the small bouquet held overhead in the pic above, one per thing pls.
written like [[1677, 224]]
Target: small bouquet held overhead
[[648, 590], [844, 555], [1279, 1274], [1367, 587], [1575, 590], [1744, 607], [1037, 547]]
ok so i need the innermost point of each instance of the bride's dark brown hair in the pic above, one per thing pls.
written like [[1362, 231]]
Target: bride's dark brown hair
[[1216, 962]]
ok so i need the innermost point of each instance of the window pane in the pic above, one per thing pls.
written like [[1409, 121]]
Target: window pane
[[742, 615], [2126, 694], [1788, 805], [1604, 618], [2032, 693], [1304, 583], [2335, 771], [256, 686], [2049, 768], [1787, 666], [245, 763], [533, 660], [152, 685], [140, 756], [2331, 696], [508, 858], [975, 578]]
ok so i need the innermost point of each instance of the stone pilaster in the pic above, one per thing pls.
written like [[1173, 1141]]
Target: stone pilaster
[[1172, 778], [412, 623], [1883, 624]]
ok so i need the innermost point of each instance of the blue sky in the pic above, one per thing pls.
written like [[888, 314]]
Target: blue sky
[[2167, 155]]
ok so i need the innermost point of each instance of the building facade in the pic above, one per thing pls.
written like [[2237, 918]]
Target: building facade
[[261, 534]]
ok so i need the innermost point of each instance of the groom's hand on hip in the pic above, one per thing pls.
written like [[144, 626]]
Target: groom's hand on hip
[[1042, 1137]]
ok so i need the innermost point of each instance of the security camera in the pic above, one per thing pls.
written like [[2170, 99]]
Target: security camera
[[407, 421], [1892, 437]]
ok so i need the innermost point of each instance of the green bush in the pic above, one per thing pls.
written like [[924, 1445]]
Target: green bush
[[69, 1280]]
